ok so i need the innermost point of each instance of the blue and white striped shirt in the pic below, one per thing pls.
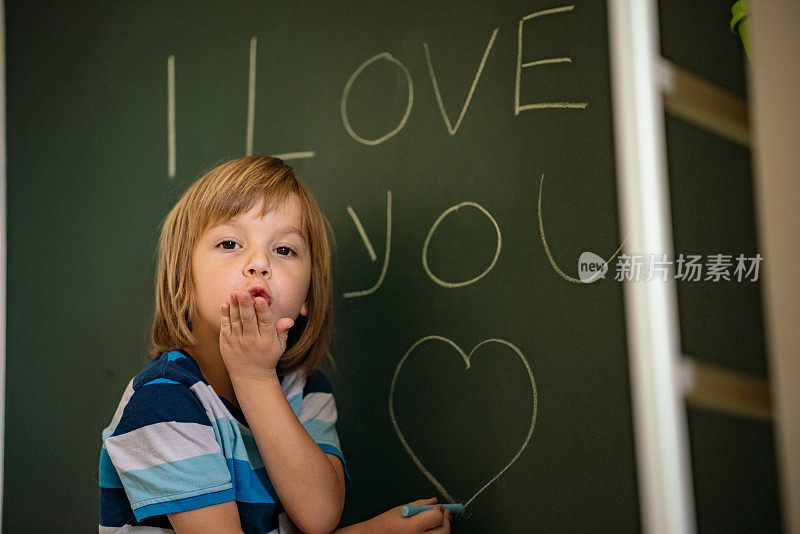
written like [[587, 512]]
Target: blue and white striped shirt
[[175, 445]]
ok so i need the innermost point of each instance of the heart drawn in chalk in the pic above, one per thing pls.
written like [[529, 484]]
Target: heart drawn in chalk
[[466, 358]]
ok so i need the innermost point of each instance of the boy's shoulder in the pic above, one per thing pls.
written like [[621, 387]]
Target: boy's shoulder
[[298, 383], [299, 387], [317, 382], [166, 388], [173, 367]]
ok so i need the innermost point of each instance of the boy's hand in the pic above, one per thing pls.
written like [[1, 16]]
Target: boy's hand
[[250, 339], [436, 520]]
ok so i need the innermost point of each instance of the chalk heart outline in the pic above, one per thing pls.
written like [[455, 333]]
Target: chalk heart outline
[[466, 358]]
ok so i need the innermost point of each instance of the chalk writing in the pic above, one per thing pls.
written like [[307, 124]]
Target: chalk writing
[[450, 128], [553, 263], [295, 155], [520, 66], [370, 250], [251, 97], [343, 108], [251, 110], [171, 116], [466, 358], [386, 56], [584, 279], [433, 229]]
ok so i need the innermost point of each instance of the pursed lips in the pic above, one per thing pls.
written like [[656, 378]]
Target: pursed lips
[[259, 292]]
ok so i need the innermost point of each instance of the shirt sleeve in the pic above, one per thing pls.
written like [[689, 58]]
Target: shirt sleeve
[[165, 452], [318, 416]]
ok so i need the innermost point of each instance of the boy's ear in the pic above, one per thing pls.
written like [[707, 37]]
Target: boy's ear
[[304, 309]]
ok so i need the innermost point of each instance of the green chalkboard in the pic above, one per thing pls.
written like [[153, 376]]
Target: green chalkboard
[[463, 349]]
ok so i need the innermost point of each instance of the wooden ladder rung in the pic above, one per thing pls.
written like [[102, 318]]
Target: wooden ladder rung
[[702, 103], [717, 388]]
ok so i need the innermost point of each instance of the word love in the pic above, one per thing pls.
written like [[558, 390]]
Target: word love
[[452, 129], [172, 133]]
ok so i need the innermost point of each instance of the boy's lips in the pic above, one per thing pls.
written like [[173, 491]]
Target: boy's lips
[[258, 291]]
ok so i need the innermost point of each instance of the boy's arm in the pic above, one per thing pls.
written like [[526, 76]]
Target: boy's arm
[[224, 517], [309, 482], [310, 485]]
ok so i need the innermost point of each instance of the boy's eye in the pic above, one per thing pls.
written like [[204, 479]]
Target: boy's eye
[[228, 244], [284, 251]]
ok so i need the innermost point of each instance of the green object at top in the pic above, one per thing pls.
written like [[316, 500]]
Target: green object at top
[[739, 23]]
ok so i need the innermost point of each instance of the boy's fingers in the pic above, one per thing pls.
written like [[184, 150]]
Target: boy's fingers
[[420, 502], [225, 323], [236, 319], [445, 529], [430, 519], [282, 326], [247, 314], [422, 520], [264, 314]]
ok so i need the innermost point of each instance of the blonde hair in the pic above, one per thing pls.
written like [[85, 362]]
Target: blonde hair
[[221, 194]]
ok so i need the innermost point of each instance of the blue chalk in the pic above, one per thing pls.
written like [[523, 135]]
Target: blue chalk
[[408, 511]]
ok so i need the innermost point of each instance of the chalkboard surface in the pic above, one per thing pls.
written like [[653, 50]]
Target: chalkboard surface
[[463, 154]]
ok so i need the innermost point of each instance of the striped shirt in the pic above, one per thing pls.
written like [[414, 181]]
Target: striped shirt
[[175, 445]]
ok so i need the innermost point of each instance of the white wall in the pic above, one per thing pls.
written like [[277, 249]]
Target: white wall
[[775, 119]]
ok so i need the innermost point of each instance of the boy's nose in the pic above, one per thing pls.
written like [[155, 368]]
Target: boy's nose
[[257, 266]]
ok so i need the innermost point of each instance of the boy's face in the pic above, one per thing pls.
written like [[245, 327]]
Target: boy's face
[[251, 253]]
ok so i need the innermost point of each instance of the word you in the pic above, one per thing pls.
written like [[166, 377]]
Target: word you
[[689, 267], [443, 283], [587, 258]]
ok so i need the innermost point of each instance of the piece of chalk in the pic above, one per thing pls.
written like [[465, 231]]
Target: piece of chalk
[[408, 511]]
